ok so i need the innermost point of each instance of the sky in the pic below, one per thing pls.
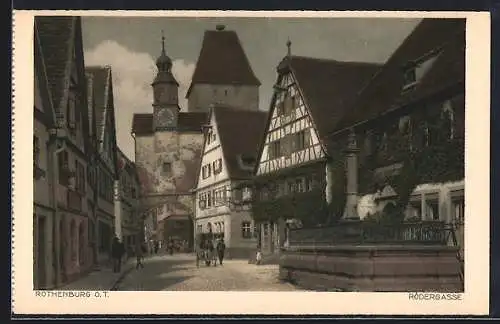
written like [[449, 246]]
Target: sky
[[130, 45]]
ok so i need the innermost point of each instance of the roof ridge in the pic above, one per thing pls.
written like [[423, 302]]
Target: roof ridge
[[327, 60]]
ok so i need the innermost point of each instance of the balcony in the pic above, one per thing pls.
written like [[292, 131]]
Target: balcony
[[74, 201]]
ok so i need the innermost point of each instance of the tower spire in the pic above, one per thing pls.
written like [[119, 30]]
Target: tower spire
[[289, 47], [163, 43], [164, 63]]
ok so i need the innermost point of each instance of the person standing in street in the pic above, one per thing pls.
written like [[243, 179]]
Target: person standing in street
[[139, 256], [221, 248], [116, 254]]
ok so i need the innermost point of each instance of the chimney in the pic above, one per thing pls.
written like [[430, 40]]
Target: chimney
[[220, 27]]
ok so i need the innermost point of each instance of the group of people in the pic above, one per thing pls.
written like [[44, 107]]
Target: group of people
[[209, 246]]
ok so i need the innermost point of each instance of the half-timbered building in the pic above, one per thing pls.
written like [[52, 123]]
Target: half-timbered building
[[168, 142], [408, 127], [61, 46], [105, 164], [229, 155], [43, 176], [290, 177], [128, 202]]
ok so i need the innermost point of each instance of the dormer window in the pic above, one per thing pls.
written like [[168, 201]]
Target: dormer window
[[415, 70], [410, 77]]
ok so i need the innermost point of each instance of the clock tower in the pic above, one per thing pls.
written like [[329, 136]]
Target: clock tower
[[165, 92]]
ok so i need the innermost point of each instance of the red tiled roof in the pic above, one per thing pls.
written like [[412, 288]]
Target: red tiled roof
[[329, 87], [101, 80], [222, 60], [240, 132], [385, 92], [191, 121], [142, 124], [56, 40]]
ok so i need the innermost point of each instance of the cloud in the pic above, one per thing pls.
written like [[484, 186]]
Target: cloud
[[133, 73]]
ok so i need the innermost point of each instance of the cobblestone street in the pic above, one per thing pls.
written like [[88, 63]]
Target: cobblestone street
[[179, 272]]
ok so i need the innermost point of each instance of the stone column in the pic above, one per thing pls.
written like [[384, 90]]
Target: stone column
[[118, 210], [423, 207], [352, 177]]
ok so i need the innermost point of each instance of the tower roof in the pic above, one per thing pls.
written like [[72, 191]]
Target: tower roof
[[164, 65], [222, 60]]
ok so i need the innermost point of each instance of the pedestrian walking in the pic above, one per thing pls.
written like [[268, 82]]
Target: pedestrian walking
[[139, 256], [258, 257], [221, 248], [117, 251]]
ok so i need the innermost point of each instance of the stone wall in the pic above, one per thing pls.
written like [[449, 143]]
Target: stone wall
[[373, 268], [238, 96]]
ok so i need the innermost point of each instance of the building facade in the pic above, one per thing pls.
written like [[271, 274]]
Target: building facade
[[168, 142], [131, 224], [228, 158], [417, 128], [291, 183], [61, 47], [44, 252], [100, 82]]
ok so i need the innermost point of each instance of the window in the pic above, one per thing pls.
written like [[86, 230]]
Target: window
[[167, 169], [206, 170], [308, 183], [202, 200], [80, 177], [410, 77], [220, 196], [300, 185], [62, 161], [209, 199], [199, 228], [301, 140], [286, 145], [289, 104], [71, 110], [291, 187], [211, 137], [459, 211], [447, 117], [280, 109], [217, 166], [246, 230], [36, 151], [274, 150]]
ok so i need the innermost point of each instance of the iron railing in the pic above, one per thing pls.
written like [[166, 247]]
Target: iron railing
[[359, 232]]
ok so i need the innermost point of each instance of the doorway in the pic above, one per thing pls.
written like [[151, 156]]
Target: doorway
[[40, 281]]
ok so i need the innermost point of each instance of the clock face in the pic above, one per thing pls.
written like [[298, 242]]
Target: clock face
[[165, 117]]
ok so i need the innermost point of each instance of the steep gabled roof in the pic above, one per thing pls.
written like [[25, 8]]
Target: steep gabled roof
[[56, 36], [444, 38], [61, 41], [329, 87], [101, 87], [142, 124], [222, 60], [41, 74], [91, 106], [239, 132]]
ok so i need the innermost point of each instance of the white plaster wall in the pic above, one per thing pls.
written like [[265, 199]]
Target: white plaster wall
[[367, 203], [201, 213], [237, 241]]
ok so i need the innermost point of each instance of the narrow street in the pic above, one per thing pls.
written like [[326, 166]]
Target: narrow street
[[179, 272]]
